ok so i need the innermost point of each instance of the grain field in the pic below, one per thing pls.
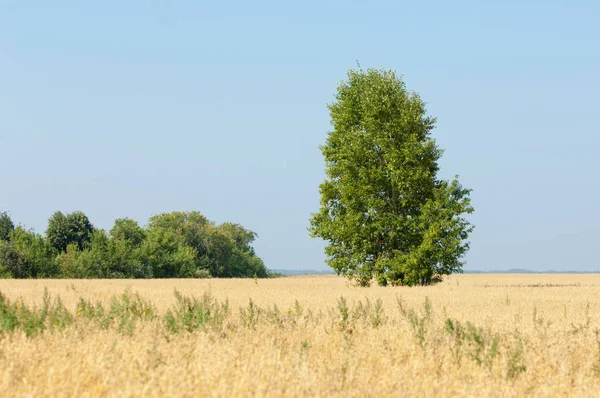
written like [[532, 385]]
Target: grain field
[[472, 335]]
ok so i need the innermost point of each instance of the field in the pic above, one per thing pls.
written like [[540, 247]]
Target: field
[[475, 335]]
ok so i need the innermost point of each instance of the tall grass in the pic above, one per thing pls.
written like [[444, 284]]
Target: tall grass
[[298, 337]]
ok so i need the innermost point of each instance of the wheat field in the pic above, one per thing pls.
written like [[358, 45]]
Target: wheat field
[[472, 335]]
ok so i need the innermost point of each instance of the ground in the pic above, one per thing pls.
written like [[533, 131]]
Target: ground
[[483, 335]]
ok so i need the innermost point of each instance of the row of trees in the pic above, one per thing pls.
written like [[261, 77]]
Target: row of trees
[[385, 213], [172, 245]]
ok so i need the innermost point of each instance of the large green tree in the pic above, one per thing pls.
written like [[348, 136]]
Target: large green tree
[[74, 228], [384, 212]]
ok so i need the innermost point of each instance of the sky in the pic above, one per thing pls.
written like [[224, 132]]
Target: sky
[[135, 108]]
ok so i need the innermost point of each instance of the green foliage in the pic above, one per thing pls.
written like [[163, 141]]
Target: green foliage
[[419, 321], [66, 229], [344, 311], [384, 212], [224, 250], [175, 245], [515, 364], [96, 260], [104, 257], [189, 227], [292, 317], [251, 314], [69, 264], [27, 255], [275, 316], [17, 316], [9, 259], [6, 226], [125, 260], [192, 314], [242, 237], [246, 265], [481, 345], [128, 308], [128, 230], [370, 313], [124, 312], [167, 255], [365, 314], [243, 261]]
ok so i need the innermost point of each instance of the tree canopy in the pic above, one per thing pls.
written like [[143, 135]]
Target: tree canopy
[[384, 211], [6, 226], [74, 228], [173, 245]]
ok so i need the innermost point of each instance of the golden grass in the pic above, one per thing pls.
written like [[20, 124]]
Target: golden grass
[[544, 325]]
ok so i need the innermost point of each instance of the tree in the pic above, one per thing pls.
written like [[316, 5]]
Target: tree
[[9, 259], [384, 211], [191, 228], [70, 263], [241, 236], [124, 250], [174, 245], [128, 230], [224, 250], [242, 261], [57, 233], [64, 229], [107, 257], [6, 226], [168, 255], [27, 255]]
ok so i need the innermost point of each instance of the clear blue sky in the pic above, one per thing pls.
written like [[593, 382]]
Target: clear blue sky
[[133, 108]]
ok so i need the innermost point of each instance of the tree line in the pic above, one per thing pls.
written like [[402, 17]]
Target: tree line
[[385, 213], [172, 245]]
